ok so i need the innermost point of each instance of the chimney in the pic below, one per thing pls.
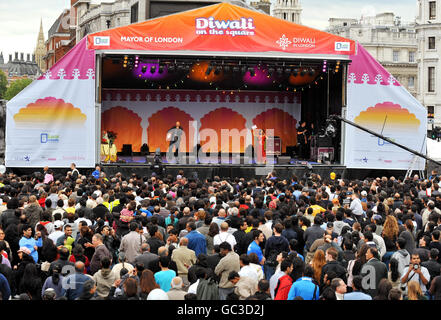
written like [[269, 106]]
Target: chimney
[[21, 56], [33, 58], [16, 56], [10, 58], [28, 57]]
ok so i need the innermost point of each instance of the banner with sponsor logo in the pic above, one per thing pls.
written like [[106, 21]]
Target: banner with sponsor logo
[[52, 121], [221, 27], [377, 101]]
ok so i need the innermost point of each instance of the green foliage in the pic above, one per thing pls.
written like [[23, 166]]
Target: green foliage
[[16, 87], [3, 84]]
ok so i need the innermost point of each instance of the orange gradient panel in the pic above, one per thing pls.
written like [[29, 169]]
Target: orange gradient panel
[[300, 80], [283, 124], [161, 122], [391, 115], [126, 124], [47, 111], [198, 72], [227, 119]]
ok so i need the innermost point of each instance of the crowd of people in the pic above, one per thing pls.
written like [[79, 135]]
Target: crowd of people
[[97, 237]]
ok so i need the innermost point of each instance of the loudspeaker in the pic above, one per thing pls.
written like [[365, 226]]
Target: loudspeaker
[[126, 150], [144, 149], [324, 141], [283, 160]]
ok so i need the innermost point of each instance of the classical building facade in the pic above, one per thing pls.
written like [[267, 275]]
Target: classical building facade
[[428, 28], [40, 49], [289, 10], [388, 40], [262, 5]]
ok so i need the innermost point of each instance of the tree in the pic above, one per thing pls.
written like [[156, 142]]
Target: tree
[[16, 87], [3, 84]]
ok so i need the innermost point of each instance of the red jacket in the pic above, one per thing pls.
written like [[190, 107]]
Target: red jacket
[[283, 286]]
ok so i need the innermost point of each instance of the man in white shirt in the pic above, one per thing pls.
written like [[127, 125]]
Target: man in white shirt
[[224, 235], [415, 272], [58, 226], [245, 269], [356, 207]]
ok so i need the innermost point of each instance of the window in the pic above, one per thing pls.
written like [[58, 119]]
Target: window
[[396, 54], [431, 79], [430, 112], [431, 42], [411, 82], [134, 13], [432, 10], [411, 56]]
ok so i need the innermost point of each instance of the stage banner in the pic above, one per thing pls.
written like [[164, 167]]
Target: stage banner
[[217, 120], [52, 121], [377, 101], [222, 27]]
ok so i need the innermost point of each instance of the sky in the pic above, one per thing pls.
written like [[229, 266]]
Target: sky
[[20, 19]]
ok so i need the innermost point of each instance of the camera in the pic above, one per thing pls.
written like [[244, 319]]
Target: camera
[[416, 266]]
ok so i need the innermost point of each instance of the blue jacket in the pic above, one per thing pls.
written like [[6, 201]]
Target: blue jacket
[[4, 287], [197, 242], [304, 287], [254, 247], [73, 285], [30, 243]]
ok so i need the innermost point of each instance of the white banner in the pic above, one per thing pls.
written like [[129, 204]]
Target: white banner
[[52, 121], [378, 102]]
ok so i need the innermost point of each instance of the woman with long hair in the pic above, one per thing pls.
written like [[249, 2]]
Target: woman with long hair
[[31, 282], [360, 260], [390, 236], [85, 240], [147, 283], [384, 287], [317, 263], [48, 252], [414, 291], [394, 275], [212, 231]]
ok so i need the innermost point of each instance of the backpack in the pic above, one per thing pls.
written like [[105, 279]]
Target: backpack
[[207, 290]]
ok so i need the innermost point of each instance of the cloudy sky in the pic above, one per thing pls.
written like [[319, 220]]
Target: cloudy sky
[[20, 19]]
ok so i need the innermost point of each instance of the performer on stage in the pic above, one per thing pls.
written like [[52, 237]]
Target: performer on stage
[[261, 156], [302, 141], [174, 136]]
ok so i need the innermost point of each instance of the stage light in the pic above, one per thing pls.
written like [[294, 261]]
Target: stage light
[[244, 69], [144, 69], [311, 72], [209, 69], [217, 71], [153, 69], [187, 67], [226, 68], [236, 69], [279, 71], [324, 67], [161, 69], [288, 71], [171, 68], [251, 71], [302, 73]]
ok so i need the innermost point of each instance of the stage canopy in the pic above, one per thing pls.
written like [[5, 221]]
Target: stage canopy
[[56, 120], [225, 29]]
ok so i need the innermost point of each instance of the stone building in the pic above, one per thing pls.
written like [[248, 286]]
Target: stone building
[[428, 28], [262, 5], [40, 50], [289, 10], [389, 40]]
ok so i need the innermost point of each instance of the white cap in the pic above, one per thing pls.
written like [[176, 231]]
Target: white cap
[[157, 294], [58, 224], [364, 193]]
